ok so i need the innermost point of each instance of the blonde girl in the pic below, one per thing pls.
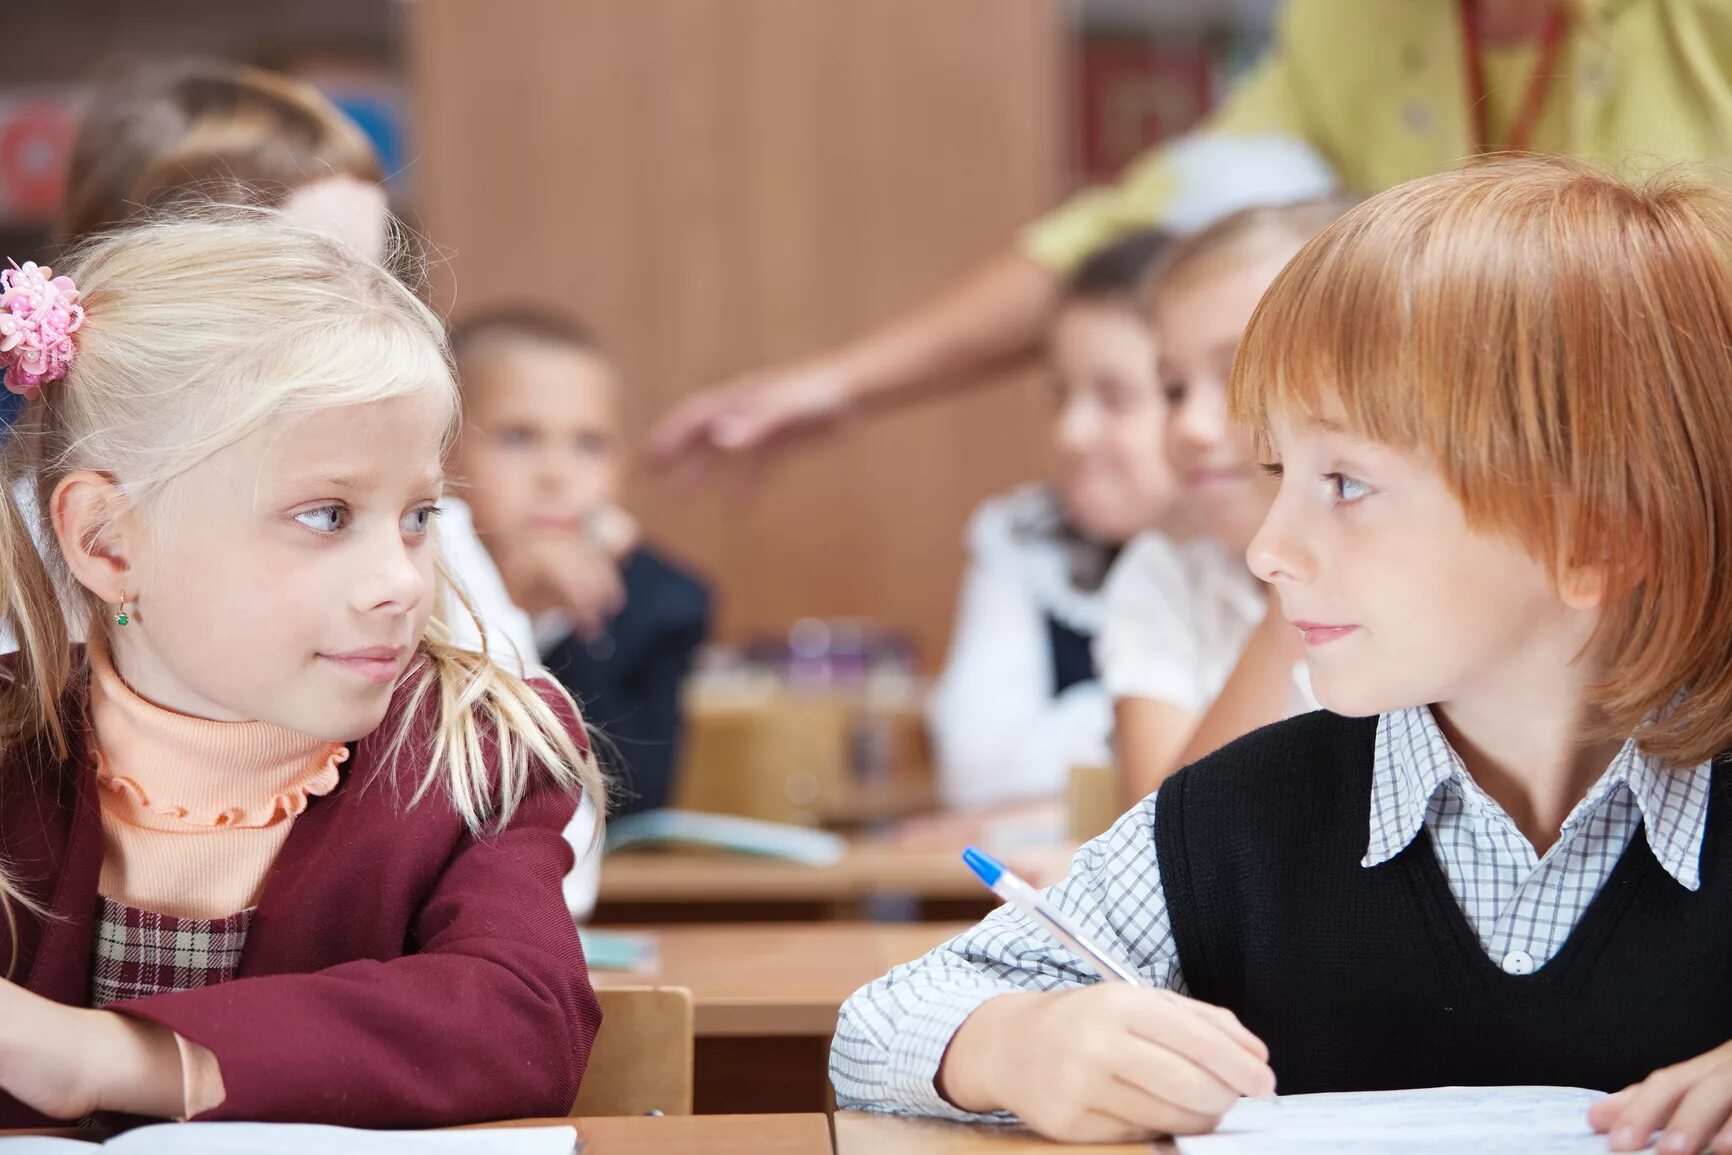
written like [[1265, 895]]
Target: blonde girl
[[273, 848]]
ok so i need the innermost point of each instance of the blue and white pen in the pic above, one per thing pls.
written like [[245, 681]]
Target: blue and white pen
[[1027, 899]]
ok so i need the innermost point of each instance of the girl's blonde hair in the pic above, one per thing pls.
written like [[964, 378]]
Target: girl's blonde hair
[[199, 330], [1559, 343], [1256, 233], [203, 130]]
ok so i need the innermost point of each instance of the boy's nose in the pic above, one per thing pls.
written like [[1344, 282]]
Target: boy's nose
[[1278, 552]]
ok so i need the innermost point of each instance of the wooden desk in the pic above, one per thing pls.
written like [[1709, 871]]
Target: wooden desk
[[660, 886], [765, 998], [860, 1133], [642, 1135], [699, 1134], [777, 979]]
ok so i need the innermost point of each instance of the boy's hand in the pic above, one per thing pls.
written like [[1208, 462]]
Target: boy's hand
[[1691, 1102], [1105, 1063], [563, 572]]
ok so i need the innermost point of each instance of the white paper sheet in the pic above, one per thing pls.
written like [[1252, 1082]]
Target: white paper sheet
[[303, 1139], [1439, 1121]]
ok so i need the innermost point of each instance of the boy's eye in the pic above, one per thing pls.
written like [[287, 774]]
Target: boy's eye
[[418, 521], [325, 519], [1347, 488]]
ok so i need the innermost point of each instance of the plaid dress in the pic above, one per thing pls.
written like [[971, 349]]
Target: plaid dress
[[138, 952]]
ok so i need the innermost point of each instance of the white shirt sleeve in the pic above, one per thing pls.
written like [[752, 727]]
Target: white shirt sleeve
[[510, 634], [891, 1034], [1000, 733], [584, 879], [1149, 646]]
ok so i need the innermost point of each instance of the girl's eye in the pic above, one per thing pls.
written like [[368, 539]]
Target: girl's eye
[[1173, 391], [417, 522], [1271, 469], [325, 519], [1347, 488]]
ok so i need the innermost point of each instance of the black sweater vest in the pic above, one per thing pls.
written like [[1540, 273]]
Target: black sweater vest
[[1372, 978]]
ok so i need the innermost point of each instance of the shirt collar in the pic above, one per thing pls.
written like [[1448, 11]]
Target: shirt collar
[[1413, 761]]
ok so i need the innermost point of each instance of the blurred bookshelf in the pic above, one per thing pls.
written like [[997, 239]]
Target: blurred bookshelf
[[1139, 72], [1144, 71], [351, 49]]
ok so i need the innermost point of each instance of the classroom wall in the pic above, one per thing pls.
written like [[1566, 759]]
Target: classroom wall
[[716, 184]]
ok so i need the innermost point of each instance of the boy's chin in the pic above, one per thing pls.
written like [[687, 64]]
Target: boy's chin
[[1354, 697]]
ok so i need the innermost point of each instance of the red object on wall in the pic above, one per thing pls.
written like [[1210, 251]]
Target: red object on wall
[[35, 140], [1134, 94]]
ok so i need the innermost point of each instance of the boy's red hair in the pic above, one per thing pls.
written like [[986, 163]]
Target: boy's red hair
[[1559, 342]]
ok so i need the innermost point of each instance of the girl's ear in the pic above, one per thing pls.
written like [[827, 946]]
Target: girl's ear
[[88, 512]]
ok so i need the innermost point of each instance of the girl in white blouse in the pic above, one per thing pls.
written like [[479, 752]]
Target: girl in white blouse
[[1180, 648], [1018, 703]]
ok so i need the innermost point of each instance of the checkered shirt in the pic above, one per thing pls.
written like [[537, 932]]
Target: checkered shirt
[[892, 1033], [139, 953]]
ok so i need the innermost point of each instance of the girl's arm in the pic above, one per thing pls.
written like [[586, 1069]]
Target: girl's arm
[[1150, 736], [492, 1017], [1259, 691], [1148, 653]]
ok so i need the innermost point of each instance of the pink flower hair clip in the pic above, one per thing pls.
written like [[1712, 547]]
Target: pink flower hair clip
[[39, 312]]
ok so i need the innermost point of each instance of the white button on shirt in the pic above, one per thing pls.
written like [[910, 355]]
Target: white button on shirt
[[1518, 962]]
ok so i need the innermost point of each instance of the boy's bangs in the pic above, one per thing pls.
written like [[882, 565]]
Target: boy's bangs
[[1433, 328], [1343, 336]]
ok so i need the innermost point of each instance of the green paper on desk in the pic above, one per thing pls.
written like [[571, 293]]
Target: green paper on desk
[[617, 950]]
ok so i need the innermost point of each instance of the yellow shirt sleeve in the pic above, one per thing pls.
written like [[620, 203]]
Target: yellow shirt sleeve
[[1264, 102]]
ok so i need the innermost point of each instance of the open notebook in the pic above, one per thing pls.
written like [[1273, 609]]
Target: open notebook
[[1438, 1121], [300, 1138]]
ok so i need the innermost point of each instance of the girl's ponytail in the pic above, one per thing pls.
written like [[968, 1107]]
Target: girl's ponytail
[[30, 608], [36, 677]]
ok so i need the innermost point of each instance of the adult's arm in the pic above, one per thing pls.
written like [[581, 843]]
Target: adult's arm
[[995, 314]]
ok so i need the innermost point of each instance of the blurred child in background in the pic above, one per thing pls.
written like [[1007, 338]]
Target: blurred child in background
[[1178, 618], [541, 458], [1019, 703]]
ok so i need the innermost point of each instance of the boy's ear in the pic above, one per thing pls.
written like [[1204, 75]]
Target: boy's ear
[[88, 512], [1583, 587]]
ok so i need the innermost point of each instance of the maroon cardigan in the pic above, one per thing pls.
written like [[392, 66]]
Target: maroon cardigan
[[398, 970]]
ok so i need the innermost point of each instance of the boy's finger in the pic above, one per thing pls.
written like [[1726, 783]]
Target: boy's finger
[[1651, 1103], [1228, 1022], [1169, 1075], [1702, 1111], [1603, 1115], [1208, 1043], [1149, 1113]]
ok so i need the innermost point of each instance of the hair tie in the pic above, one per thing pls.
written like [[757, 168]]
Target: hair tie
[[39, 312]]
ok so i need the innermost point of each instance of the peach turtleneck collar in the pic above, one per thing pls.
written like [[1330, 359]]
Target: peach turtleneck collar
[[193, 772], [194, 811]]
